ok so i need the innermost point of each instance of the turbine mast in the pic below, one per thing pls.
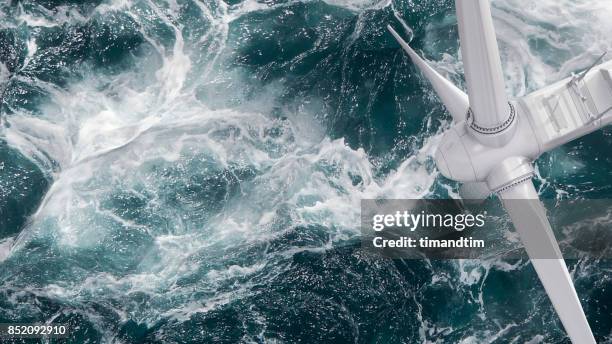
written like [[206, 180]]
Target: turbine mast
[[491, 116]]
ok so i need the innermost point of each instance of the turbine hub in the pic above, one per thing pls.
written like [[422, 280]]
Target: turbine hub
[[462, 156]]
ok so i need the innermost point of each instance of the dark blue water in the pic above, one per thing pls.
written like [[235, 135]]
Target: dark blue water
[[191, 171]]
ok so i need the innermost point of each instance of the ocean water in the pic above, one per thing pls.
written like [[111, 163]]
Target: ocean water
[[188, 171]]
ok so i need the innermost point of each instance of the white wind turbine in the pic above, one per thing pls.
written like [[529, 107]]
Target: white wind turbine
[[493, 142]]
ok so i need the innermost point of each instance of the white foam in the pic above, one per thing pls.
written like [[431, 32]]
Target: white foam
[[106, 133], [566, 36], [5, 248], [360, 5]]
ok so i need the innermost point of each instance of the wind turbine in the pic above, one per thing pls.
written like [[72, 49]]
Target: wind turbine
[[494, 140]]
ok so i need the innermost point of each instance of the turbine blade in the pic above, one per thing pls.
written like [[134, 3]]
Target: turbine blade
[[529, 218], [482, 64], [454, 99]]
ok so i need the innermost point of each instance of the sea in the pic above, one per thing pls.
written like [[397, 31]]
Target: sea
[[191, 171]]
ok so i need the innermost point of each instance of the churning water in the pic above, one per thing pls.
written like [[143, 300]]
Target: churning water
[[191, 170]]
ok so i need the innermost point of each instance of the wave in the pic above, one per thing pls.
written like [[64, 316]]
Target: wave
[[190, 170]]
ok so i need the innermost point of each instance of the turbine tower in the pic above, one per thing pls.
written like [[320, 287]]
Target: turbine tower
[[494, 140]]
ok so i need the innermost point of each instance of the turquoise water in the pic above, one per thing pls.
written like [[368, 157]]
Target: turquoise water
[[191, 171]]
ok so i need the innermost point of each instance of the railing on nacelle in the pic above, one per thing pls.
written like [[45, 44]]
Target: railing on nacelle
[[571, 108]]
